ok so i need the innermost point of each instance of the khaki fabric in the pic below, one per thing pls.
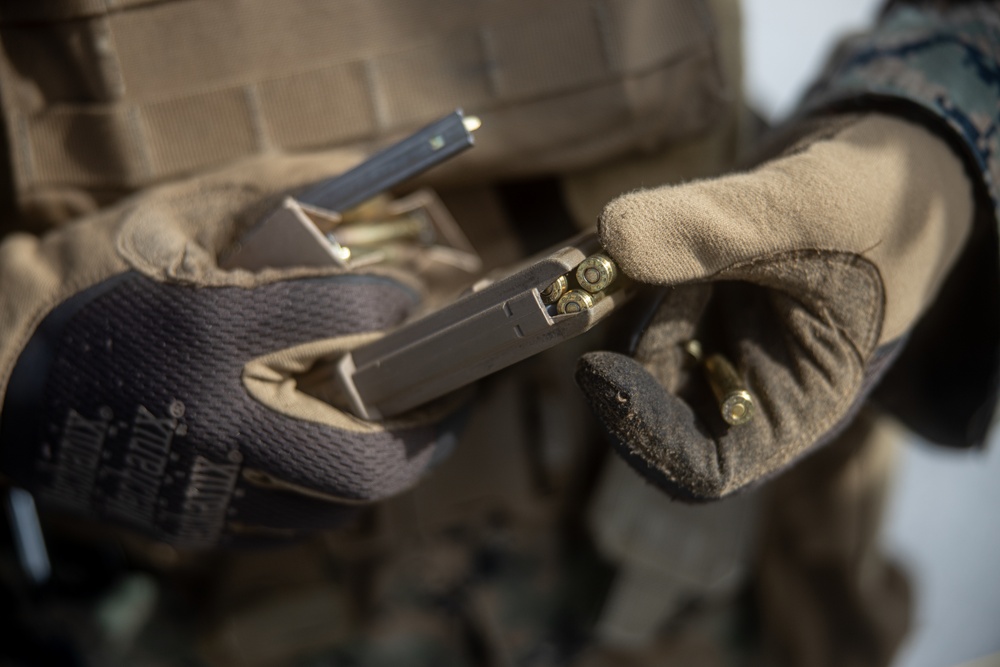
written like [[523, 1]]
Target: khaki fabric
[[99, 101], [878, 188]]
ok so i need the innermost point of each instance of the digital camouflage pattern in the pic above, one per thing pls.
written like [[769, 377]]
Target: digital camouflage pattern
[[947, 62]]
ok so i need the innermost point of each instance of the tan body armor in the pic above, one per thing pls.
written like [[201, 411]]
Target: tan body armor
[[101, 98]]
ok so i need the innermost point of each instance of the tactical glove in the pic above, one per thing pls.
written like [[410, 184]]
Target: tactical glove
[[145, 386], [807, 272]]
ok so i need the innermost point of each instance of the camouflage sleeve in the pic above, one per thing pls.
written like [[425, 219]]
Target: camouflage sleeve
[[946, 62]]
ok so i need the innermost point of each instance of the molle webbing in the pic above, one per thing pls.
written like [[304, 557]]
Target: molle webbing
[[107, 97]]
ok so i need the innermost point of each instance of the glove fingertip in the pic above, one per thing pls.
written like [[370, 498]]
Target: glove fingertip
[[653, 430], [616, 229]]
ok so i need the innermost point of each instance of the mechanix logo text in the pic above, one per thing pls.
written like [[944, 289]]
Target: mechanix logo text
[[79, 456], [145, 461]]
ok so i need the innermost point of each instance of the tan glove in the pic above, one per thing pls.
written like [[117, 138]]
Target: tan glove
[[807, 272], [145, 386]]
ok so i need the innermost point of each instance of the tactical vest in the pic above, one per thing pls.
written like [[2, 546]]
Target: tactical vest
[[104, 97]]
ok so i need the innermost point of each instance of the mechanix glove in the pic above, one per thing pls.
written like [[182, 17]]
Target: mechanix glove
[[145, 386], [806, 272]]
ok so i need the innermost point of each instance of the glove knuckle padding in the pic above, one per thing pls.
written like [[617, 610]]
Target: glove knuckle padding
[[142, 415]]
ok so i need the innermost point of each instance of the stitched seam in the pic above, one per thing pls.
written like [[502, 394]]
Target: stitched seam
[[832, 258], [786, 454]]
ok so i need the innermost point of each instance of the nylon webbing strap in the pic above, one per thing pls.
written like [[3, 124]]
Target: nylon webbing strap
[[154, 91]]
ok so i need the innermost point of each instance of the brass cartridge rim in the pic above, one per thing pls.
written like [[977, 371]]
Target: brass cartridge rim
[[737, 408], [596, 273], [574, 301], [555, 291]]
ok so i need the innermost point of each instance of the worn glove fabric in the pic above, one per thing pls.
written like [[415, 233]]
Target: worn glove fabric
[[806, 272], [145, 386]]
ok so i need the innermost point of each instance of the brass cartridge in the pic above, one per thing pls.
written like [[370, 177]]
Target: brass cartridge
[[554, 292], [574, 301], [596, 273], [735, 402]]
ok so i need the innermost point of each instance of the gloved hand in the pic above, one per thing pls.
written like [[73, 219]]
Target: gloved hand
[[145, 386], [807, 272]]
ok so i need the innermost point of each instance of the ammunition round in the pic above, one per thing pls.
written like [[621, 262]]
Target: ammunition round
[[553, 292], [735, 402], [737, 408], [574, 301], [596, 272]]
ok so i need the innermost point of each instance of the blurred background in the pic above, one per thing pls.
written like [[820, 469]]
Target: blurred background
[[942, 523]]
